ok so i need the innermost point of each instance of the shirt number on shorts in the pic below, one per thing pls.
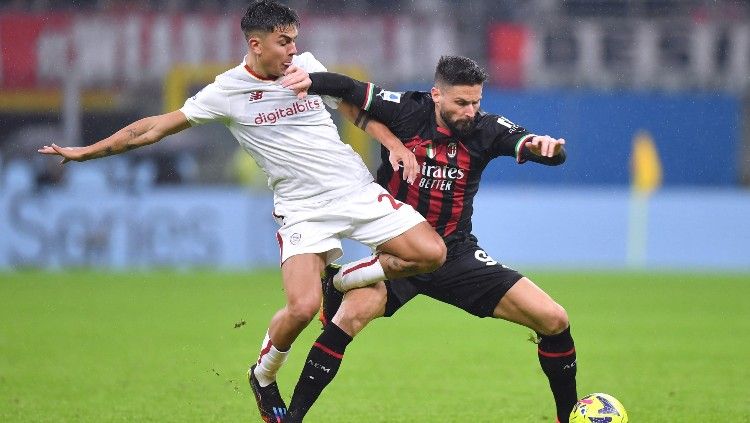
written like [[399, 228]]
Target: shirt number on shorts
[[483, 257], [395, 204]]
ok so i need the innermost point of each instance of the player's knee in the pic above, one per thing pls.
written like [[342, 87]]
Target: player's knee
[[556, 321], [433, 255], [303, 310]]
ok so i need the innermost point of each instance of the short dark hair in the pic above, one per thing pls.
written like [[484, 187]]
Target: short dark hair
[[458, 70], [268, 16]]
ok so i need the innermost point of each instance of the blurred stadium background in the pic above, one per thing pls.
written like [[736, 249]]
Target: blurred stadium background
[[669, 76]]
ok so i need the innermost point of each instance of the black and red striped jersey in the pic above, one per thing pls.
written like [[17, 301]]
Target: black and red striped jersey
[[450, 166]]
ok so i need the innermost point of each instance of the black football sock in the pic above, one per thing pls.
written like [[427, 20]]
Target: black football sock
[[320, 368], [557, 356]]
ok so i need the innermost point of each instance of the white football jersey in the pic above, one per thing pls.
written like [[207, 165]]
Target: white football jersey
[[294, 141]]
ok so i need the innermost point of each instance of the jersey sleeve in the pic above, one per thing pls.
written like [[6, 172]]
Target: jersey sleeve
[[310, 64], [399, 111], [209, 105], [508, 139]]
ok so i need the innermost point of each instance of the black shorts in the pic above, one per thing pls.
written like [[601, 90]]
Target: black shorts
[[469, 280]]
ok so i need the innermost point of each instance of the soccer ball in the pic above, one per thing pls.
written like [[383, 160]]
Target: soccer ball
[[598, 408]]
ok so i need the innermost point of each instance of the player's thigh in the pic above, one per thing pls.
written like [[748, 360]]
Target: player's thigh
[[469, 280], [528, 305], [382, 222], [309, 229], [418, 243], [301, 279]]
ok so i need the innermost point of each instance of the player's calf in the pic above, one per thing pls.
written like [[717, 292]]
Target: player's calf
[[526, 304], [557, 357], [332, 297], [360, 307], [321, 365]]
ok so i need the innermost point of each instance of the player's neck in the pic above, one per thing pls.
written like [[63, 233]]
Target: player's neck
[[257, 71], [439, 121]]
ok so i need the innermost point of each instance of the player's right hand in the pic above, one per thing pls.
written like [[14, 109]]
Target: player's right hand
[[545, 146], [76, 154], [403, 157], [296, 79]]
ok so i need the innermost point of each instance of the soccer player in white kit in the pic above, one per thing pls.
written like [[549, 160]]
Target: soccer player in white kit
[[323, 192]]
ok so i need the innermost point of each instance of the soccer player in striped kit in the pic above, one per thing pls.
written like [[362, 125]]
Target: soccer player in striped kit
[[323, 192], [453, 141]]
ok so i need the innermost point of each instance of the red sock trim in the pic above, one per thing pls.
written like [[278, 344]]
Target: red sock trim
[[328, 351], [359, 266], [555, 355], [264, 351]]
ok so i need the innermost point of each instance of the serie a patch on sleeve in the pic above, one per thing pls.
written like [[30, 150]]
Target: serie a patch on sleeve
[[512, 127], [390, 96]]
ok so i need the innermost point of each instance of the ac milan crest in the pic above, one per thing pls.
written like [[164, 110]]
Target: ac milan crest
[[452, 150]]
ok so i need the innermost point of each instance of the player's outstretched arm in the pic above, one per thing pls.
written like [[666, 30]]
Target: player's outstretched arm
[[399, 155], [143, 132], [353, 93], [340, 86], [546, 150]]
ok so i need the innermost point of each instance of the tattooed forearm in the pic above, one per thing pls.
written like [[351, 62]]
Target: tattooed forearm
[[395, 267], [143, 132], [363, 118], [394, 263]]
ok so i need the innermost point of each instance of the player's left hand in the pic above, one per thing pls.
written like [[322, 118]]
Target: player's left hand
[[296, 79], [545, 146], [68, 154], [403, 157]]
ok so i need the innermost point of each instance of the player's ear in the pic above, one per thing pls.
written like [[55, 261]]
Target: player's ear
[[435, 93], [254, 43]]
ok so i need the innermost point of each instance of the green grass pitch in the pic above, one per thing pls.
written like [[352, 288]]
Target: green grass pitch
[[163, 347]]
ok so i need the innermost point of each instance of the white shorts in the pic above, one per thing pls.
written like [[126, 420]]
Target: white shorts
[[370, 215]]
